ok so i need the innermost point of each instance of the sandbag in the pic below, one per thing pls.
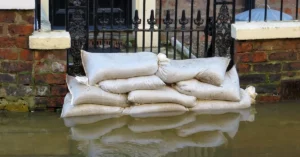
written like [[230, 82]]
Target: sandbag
[[136, 83], [209, 70], [163, 123], [162, 95], [225, 123], [108, 66], [218, 104], [70, 110], [96, 130], [229, 89], [153, 108], [123, 135], [82, 94]]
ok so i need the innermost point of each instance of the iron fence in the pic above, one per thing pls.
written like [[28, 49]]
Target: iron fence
[[180, 33]]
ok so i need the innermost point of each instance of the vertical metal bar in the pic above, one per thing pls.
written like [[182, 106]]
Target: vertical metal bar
[[297, 6], [214, 27], [167, 44], [159, 26], [103, 33], [39, 13], [250, 10], [197, 55], [135, 36], [191, 28], [151, 40], [144, 23], [87, 9], [232, 40], [175, 28], [66, 15], [206, 28], [266, 9], [182, 39], [111, 24], [127, 22], [95, 3], [281, 9]]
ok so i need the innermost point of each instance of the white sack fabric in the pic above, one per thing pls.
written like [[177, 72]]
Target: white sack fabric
[[70, 110], [209, 70], [162, 95], [229, 89], [136, 83], [82, 94], [245, 102], [109, 66], [154, 108]]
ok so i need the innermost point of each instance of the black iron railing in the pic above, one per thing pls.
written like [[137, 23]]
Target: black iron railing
[[113, 27]]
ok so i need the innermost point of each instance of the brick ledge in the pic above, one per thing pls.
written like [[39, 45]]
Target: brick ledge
[[50, 40]]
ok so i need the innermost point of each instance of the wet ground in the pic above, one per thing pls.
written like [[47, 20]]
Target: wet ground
[[269, 130]]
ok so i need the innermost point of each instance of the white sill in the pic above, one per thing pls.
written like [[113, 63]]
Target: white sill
[[17, 4], [50, 40], [265, 30]]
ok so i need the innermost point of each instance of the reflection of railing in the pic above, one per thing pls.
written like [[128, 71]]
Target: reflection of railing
[[187, 134]]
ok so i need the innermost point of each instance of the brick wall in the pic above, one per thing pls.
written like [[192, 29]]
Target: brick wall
[[29, 79], [272, 66]]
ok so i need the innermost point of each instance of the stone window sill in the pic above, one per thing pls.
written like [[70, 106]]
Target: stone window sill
[[265, 30], [50, 40]]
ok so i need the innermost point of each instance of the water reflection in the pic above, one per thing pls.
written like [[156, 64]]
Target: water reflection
[[191, 134]]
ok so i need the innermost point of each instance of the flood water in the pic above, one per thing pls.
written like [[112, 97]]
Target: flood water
[[268, 130]]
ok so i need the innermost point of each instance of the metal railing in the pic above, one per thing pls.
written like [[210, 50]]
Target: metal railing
[[177, 32]]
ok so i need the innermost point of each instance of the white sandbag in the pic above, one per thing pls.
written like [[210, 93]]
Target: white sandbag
[[154, 108], [219, 104], [164, 123], [225, 123], [96, 130], [209, 70], [73, 121], [82, 94], [109, 66], [229, 89], [70, 110], [136, 83], [162, 95], [123, 135]]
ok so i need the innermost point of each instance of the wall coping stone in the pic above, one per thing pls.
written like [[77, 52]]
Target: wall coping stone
[[265, 30], [50, 40], [17, 4]]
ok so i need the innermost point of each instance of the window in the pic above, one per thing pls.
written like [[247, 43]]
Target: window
[[121, 9]]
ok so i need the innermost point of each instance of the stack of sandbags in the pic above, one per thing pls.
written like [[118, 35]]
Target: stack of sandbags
[[145, 84], [153, 136]]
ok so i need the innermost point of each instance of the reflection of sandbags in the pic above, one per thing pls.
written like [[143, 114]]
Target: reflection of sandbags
[[73, 121], [225, 123], [123, 135], [131, 84], [164, 123], [229, 89], [96, 130], [209, 70], [82, 94], [109, 66], [162, 95], [201, 139], [247, 114], [70, 110], [218, 104], [158, 114], [138, 110]]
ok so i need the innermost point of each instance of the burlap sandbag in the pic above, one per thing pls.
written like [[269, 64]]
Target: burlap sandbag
[[209, 70], [136, 83], [82, 94], [70, 110], [245, 102], [154, 108], [162, 95], [139, 125], [108, 66], [224, 122], [229, 89]]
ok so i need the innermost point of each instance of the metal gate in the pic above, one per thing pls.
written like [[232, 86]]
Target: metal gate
[[200, 30]]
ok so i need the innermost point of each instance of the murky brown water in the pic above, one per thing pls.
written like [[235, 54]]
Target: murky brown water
[[271, 130]]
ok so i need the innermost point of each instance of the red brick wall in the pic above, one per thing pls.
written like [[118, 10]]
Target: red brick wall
[[33, 79], [272, 66]]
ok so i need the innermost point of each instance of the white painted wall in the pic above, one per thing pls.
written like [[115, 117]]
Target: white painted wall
[[17, 4]]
